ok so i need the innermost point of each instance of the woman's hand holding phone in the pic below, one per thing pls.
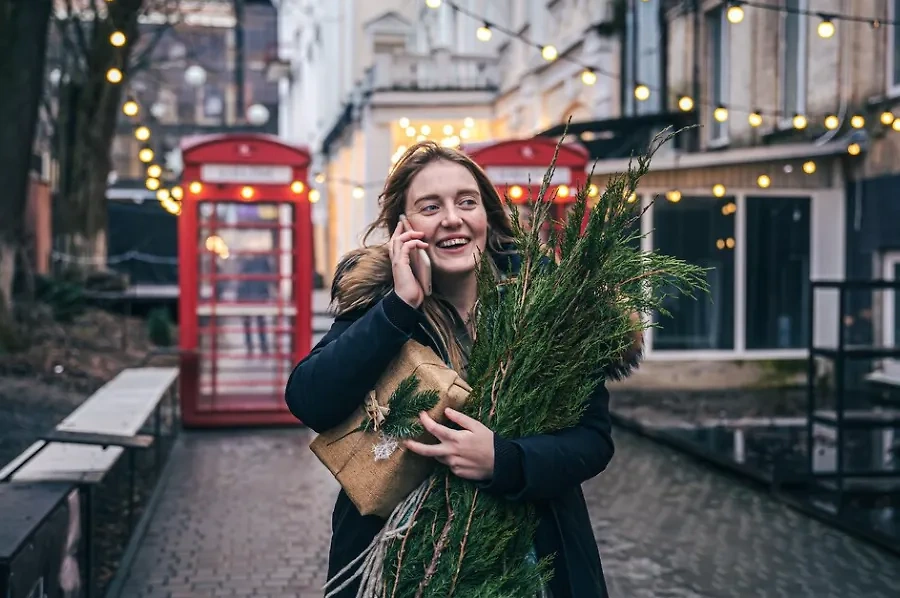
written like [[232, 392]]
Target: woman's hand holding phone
[[404, 244]]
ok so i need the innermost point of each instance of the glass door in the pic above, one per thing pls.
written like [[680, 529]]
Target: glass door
[[245, 309]]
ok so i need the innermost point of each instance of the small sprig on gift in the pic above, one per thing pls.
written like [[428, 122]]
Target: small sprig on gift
[[400, 419]]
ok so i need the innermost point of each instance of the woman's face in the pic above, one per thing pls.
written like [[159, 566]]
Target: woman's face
[[443, 202]]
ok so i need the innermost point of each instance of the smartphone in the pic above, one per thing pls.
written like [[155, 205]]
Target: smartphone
[[420, 263]]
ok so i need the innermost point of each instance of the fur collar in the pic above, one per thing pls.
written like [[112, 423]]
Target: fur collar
[[363, 277]]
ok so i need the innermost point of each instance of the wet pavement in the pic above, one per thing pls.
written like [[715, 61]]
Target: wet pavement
[[248, 514]]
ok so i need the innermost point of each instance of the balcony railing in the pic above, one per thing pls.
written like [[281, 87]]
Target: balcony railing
[[441, 71]]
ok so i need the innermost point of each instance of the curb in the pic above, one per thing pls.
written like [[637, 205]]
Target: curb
[[754, 478], [114, 590]]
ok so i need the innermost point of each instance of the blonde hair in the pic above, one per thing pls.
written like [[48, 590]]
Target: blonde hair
[[392, 202]]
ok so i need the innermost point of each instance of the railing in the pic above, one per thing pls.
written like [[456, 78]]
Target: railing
[[103, 495], [440, 71]]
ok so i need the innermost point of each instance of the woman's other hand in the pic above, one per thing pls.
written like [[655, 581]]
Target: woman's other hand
[[402, 243], [469, 453]]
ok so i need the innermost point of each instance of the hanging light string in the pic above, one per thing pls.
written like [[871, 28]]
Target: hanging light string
[[642, 92], [169, 198], [825, 16]]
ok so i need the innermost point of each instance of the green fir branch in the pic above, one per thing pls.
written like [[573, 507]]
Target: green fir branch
[[543, 340]]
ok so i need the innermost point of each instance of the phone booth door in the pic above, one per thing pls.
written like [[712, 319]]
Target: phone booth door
[[248, 307]]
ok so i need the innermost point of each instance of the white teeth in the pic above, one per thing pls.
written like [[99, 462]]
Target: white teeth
[[452, 243]]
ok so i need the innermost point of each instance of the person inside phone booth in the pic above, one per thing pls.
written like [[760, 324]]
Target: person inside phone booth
[[440, 212]]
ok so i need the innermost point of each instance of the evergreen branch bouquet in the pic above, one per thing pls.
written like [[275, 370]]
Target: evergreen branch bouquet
[[543, 339]]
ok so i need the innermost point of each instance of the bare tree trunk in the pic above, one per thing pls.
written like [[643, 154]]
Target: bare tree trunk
[[23, 45], [94, 108]]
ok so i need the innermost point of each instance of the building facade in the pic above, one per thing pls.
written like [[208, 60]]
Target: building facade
[[776, 185]]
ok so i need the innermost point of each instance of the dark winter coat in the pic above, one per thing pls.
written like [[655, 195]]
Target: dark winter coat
[[372, 323]]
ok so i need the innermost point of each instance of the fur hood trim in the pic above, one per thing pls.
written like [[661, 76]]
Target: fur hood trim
[[363, 277]]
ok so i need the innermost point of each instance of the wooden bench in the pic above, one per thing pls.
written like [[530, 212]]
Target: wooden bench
[[89, 442]]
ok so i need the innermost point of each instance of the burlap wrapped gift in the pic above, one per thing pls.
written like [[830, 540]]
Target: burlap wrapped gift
[[377, 485]]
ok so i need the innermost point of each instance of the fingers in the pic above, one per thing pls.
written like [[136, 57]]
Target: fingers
[[438, 451], [442, 433], [462, 419]]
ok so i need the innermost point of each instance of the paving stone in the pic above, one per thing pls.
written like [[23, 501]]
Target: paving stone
[[249, 514]]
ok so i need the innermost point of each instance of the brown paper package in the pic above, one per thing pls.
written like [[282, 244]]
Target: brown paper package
[[377, 487]]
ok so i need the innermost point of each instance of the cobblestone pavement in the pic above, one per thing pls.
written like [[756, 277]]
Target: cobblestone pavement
[[248, 515]]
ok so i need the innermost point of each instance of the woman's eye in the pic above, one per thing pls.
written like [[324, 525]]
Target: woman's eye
[[429, 208]]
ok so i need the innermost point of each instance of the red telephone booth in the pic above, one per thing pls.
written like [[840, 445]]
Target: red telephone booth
[[517, 168], [245, 277]]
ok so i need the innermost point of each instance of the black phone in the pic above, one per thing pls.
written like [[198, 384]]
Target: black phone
[[420, 263]]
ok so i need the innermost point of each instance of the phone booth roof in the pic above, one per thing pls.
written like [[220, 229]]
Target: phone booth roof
[[243, 148], [517, 166], [536, 151]]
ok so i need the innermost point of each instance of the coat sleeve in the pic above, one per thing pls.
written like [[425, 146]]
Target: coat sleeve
[[544, 466], [332, 381]]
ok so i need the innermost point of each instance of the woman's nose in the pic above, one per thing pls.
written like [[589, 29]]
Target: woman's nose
[[452, 218]]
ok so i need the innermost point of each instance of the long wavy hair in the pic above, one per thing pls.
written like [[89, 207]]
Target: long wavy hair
[[392, 202]]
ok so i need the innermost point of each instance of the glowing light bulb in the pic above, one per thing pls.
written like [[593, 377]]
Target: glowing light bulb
[[734, 14], [130, 108], [720, 114], [549, 53], [483, 33], [832, 122], [154, 171], [799, 121], [685, 103], [145, 155], [857, 121], [142, 133], [825, 29], [641, 93], [114, 75], [297, 187], [195, 187], [755, 119], [809, 167], [718, 190], [588, 77], [763, 181], [117, 39], [515, 192]]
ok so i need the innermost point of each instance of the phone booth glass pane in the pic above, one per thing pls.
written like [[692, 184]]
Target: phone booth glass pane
[[245, 307]]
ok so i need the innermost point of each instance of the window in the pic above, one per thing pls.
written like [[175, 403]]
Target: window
[[793, 60], [778, 241], [719, 60], [700, 231], [643, 60], [893, 50]]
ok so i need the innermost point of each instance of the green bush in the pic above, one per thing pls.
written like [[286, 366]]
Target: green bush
[[65, 297], [160, 328]]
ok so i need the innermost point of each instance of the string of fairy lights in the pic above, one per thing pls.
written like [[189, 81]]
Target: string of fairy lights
[[734, 14], [169, 198]]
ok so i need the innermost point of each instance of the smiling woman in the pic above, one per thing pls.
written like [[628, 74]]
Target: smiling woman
[[438, 200]]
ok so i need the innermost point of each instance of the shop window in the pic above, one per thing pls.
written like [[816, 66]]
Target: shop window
[[701, 231]]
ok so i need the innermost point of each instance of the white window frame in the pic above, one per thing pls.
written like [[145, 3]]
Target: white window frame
[[889, 263], [786, 119], [892, 87], [739, 350], [723, 138]]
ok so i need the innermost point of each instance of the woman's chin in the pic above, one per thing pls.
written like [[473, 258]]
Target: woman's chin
[[458, 265]]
